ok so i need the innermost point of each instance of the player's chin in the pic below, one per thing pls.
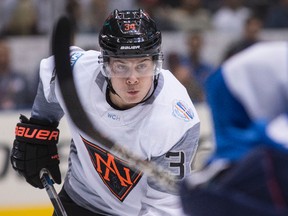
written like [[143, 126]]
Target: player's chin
[[133, 99]]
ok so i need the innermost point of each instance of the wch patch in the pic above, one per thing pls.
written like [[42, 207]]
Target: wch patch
[[182, 111], [114, 172]]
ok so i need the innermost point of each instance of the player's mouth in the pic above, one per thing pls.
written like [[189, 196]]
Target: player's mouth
[[132, 92]]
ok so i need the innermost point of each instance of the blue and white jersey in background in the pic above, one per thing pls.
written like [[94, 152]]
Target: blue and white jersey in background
[[248, 96]]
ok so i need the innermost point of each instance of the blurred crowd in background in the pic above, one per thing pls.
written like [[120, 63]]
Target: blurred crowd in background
[[194, 17], [28, 17]]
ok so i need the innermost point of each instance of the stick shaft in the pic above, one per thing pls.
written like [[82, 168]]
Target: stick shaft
[[48, 184]]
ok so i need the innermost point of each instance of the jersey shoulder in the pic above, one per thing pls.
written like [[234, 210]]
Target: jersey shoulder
[[83, 63], [80, 57], [172, 114], [175, 98]]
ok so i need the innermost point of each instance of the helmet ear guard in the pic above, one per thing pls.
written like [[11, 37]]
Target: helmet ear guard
[[130, 34]]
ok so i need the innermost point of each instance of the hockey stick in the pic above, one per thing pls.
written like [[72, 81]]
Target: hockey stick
[[60, 49], [48, 184]]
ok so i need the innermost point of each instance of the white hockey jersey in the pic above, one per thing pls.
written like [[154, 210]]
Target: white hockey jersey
[[163, 129]]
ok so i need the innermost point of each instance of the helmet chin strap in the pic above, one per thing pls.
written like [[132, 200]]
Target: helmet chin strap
[[110, 87], [149, 94], [152, 89]]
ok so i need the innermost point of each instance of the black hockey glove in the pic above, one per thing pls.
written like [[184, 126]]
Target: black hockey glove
[[35, 148]]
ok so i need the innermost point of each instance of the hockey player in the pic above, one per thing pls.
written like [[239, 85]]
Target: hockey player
[[131, 100], [247, 174]]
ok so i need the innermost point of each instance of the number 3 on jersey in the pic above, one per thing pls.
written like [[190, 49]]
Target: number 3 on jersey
[[177, 161]]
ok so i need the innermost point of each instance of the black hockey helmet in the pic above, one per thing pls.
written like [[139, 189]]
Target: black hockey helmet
[[130, 34]]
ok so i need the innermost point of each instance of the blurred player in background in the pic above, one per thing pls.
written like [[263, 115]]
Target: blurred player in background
[[248, 172]]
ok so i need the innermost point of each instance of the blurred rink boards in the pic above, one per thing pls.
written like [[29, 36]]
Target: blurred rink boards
[[26, 211], [19, 198]]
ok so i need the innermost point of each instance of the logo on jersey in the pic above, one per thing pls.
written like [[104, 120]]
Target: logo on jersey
[[114, 172], [182, 111], [113, 116], [74, 58]]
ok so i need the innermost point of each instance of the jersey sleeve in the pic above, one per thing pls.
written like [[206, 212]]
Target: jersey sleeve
[[177, 161], [46, 105]]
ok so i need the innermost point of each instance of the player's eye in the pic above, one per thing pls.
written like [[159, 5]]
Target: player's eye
[[119, 68], [141, 67]]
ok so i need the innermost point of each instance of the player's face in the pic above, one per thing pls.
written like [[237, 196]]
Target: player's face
[[131, 79]]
